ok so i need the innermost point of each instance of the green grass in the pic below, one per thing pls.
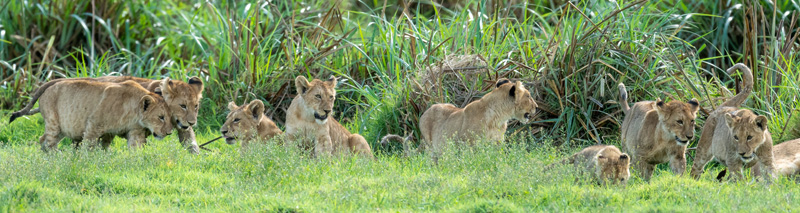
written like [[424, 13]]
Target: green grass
[[570, 54], [164, 177]]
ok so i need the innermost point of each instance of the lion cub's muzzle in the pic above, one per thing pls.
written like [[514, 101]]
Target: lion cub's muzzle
[[228, 139], [182, 126], [746, 158], [322, 117], [682, 142], [162, 136]]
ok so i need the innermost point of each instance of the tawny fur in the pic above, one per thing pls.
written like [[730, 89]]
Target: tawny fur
[[735, 137], [786, 158], [605, 163], [86, 110], [655, 132], [310, 121], [182, 98], [247, 123], [486, 118]]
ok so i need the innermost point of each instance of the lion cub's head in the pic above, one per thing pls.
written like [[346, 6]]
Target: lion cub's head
[[183, 100], [677, 118], [613, 169], [749, 132], [524, 105], [155, 115], [318, 97], [242, 122]]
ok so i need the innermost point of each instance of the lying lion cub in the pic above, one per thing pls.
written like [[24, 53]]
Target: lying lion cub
[[183, 99], [486, 118], [309, 120], [247, 123], [655, 132], [735, 137], [86, 110], [605, 162], [786, 157]]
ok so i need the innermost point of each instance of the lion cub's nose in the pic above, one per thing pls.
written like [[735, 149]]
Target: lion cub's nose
[[327, 112], [689, 137], [224, 131], [742, 154]]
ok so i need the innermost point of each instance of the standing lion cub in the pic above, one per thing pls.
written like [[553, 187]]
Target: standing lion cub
[[309, 120], [737, 138], [655, 132], [86, 110], [248, 123], [486, 118]]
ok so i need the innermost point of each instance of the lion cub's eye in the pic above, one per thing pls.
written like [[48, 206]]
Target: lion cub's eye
[[236, 120], [161, 118], [735, 137], [749, 137], [183, 106], [318, 96], [331, 96], [680, 122]]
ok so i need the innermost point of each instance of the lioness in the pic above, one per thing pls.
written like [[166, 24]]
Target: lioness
[[605, 162], [247, 123], [735, 137], [485, 118], [182, 98], [309, 120], [85, 110], [655, 132], [786, 158]]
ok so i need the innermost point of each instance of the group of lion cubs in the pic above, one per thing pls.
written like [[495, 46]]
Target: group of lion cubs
[[653, 132]]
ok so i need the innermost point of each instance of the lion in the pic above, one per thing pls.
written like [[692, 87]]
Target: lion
[[606, 163], [183, 99], [86, 110], [309, 120], [247, 123], [654, 132], [786, 160], [735, 137], [486, 118]]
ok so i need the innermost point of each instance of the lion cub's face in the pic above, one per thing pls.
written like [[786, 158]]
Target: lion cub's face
[[612, 169], [183, 100], [678, 119], [318, 97], [155, 115], [242, 122], [748, 132], [524, 105]]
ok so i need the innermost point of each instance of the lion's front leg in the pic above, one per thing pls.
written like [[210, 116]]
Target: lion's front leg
[[323, 146], [678, 162], [92, 135], [735, 169], [187, 138], [137, 138]]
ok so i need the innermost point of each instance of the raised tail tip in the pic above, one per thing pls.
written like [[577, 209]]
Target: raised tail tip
[[14, 116], [722, 174]]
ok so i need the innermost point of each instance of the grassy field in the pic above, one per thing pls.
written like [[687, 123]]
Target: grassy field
[[163, 177], [394, 61]]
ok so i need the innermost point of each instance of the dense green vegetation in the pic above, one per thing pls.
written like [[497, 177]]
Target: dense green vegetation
[[396, 59]]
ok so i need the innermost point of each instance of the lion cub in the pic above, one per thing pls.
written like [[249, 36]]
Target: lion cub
[[247, 123], [786, 158], [86, 110], [655, 132], [737, 138], [309, 120], [605, 162]]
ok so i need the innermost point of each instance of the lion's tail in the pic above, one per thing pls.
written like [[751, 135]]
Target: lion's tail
[[406, 141], [623, 98], [36, 94], [739, 99]]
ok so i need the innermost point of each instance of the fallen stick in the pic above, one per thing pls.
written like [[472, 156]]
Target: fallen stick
[[206, 143]]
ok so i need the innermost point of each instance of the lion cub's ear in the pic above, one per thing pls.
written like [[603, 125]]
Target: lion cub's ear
[[195, 82], [146, 102], [694, 105], [625, 158], [166, 87], [158, 92], [257, 108], [502, 81], [730, 119], [761, 122], [332, 81], [514, 89], [232, 106], [301, 83]]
